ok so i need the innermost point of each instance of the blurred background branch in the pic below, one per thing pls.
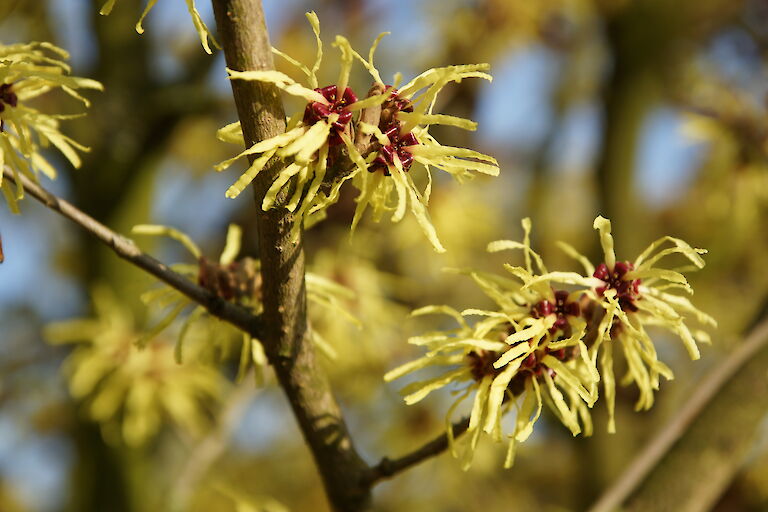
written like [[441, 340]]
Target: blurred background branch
[[690, 462]]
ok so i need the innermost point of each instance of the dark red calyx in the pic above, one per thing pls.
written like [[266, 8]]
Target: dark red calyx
[[396, 102], [533, 364], [7, 97], [540, 369], [543, 309], [627, 290], [557, 354], [564, 354], [481, 363], [530, 362], [561, 308], [398, 143], [317, 111], [234, 281]]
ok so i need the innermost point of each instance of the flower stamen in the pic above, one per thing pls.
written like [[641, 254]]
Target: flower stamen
[[317, 111], [397, 146], [7, 97], [627, 290], [561, 308]]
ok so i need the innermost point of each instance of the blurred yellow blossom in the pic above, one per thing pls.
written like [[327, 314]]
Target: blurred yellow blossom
[[542, 343], [319, 137], [26, 72], [133, 391], [238, 280]]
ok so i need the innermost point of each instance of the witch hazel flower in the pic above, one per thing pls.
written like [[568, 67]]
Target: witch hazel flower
[[311, 137], [235, 279], [629, 296], [28, 71], [525, 352], [404, 141], [327, 135], [634, 295], [542, 341]]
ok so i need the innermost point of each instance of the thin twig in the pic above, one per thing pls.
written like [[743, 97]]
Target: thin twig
[[388, 468], [648, 459], [127, 249]]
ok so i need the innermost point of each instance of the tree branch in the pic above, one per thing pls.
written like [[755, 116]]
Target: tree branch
[[127, 249], [388, 468], [244, 38], [704, 400]]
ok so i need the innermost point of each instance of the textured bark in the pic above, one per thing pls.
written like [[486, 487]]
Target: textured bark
[[243, 35]]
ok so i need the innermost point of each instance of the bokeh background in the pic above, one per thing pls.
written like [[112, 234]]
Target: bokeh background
[[650, 112]]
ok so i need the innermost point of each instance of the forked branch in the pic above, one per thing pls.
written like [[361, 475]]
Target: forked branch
[[387, 468], [126, 249]]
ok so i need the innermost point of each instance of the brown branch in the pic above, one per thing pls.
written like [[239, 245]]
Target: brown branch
[[387, 468], [243, 34], [127, 249], [704, 397]]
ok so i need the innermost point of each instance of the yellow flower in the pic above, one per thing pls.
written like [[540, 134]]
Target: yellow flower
[[202, 30], [631, 296], [130, 392], [317, 137], [526, 352], [233, 279], [26, 72], [634, 295], [543, 344], [404, 144], [311, 136]]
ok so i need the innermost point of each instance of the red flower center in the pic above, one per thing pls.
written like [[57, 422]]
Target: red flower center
[[317, 111], [390, 126], [481, 363], [7, 97], [627, 290], [561, 308], [395, 102], [397, 146]]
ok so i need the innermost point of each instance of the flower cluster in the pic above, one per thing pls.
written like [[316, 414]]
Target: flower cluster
[[130, 391], [202, 29], [26, 72], [325, 145], [232, 279], [542, 342]]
